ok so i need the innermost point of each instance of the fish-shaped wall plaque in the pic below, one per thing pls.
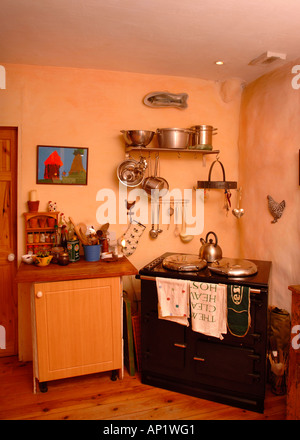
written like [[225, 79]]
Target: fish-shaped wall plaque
[[166, 99]]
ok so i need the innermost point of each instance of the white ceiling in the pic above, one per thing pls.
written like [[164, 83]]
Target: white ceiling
[[168, 37]]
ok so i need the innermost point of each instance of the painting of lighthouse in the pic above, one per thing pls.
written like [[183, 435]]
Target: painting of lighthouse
[[62, 165]]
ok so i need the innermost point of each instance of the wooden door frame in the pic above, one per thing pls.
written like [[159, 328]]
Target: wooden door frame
[[14, 232]]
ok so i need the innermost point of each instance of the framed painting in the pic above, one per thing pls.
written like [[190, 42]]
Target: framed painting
[[62, 165]]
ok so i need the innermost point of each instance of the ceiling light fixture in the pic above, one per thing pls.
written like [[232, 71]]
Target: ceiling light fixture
[[219, 63]]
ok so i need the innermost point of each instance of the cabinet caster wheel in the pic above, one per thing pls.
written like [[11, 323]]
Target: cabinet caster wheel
[[43, 387], [114, 375]]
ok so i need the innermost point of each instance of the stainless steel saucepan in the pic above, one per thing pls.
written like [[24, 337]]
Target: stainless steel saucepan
[[155, 186], [173, 138], [202, 135]]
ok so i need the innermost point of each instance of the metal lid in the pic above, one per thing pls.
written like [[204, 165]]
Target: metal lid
[[204, 127], [233, 267], [184, 262], [185, 130]]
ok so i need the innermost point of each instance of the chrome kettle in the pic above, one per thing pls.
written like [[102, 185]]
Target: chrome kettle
[[210, 251]]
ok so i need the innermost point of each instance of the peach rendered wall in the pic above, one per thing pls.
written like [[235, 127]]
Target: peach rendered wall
[[269, 165], [78, 107]]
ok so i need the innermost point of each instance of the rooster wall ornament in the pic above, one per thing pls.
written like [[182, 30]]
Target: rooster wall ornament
[[276, 209]]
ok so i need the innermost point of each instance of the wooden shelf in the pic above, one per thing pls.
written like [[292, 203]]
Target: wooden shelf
[[38, 229]]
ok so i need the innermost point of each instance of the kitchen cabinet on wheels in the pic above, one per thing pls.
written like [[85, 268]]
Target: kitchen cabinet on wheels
[[76, 319], [230, 371], [77, 328]]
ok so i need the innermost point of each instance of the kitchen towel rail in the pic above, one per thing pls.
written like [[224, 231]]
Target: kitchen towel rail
[[149, 278]]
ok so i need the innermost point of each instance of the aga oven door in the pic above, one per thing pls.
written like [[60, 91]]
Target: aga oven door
[[163, 346], [226, 367], [163, 342]]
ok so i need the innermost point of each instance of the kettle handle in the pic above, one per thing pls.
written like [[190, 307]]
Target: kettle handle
[[216, 239]]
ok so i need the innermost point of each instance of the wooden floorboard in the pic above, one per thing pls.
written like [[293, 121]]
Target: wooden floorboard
[[96, 397]]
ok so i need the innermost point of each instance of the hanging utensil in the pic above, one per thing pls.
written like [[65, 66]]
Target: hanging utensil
[[131, 172], [158, 211], [176, 230], [170, 213], [165, 187], [227, 203], [238, 212], [152, 184], [155, 186], [183, 236], [154, 232]]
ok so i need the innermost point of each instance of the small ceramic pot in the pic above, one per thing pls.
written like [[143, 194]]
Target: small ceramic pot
[[55, 251], [42, 222], [33, 206], [33, 222], [51, 222], [63, 258]]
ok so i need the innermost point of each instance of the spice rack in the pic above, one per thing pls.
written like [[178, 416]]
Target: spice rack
[[40, 230]]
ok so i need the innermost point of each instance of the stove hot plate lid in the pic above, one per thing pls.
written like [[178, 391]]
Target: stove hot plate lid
[[184, 263], [233, 267]]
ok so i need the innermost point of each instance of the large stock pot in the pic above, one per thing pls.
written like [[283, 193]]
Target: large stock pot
[[173, 137]]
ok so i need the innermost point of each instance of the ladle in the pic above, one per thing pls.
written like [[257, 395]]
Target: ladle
[[183, 236], [154, 232]]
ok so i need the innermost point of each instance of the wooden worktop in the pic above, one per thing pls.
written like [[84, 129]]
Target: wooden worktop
[[29, 273], [295, 288]]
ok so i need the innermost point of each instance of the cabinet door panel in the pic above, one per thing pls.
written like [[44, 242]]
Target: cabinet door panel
[[78, 327]]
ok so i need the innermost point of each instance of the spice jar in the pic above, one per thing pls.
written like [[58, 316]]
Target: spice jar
[[47, 238], [42, 237], [36, 237], [29, 238]]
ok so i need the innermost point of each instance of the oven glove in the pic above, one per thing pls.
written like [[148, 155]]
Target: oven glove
[[238, 310], [132, 236], [173, 300], [208, 308]]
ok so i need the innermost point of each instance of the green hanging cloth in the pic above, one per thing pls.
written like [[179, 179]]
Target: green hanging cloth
[[238, 310]]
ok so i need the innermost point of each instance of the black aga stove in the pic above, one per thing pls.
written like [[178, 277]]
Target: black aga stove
[[230, 371]]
